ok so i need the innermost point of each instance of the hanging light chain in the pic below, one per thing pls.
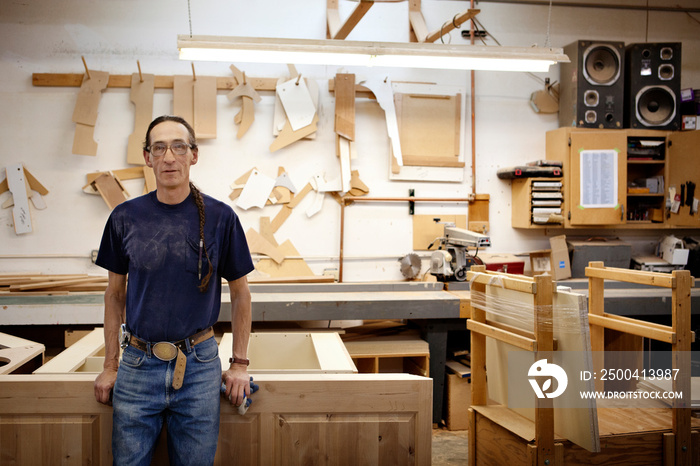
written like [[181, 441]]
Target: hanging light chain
[[189, 16]]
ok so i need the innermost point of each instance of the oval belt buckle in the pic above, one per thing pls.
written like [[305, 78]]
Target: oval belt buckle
[[164, 350]]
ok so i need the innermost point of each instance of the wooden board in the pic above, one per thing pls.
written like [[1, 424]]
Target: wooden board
[[85, 111], [83, 140], [204, 107], [291, 267], [345, 105], [183, 98], [110, 189], [72, 358], [294, 419], [577, 425], [18, 355], [425, 229], [258, 244], [142, 89], [504, 437]]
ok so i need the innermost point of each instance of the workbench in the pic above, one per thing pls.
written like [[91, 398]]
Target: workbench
[[428, 305]]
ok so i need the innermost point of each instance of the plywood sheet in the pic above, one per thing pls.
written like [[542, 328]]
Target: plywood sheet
[[258, 244], [110, 190], [204, 107], [183, 97], [85, 111], [571, 331], [429, 128], [291, 267], [83, 140]]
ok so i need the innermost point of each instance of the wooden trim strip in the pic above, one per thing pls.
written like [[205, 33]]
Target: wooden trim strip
[[502, 335], [503, 282], [632, 276], [161, 82], [635, 328]]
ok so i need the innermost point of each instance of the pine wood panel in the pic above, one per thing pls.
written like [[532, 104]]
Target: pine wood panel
[[294, 419]]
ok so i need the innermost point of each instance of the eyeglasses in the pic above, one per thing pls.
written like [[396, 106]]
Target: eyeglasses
[[159, 149]]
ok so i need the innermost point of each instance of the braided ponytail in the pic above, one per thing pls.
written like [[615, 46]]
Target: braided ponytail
[[199, 201]]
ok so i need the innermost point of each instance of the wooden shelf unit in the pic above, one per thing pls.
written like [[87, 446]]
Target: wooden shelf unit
[[390, 354], [678, 165], [522, 202]]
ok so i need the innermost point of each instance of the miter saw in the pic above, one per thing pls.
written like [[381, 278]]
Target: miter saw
[[452, 259]]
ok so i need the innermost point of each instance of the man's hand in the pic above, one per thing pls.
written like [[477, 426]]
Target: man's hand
[[104, 384], [237, 383]]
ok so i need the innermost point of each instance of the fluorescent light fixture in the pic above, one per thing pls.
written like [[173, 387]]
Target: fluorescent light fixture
[[357, 53]]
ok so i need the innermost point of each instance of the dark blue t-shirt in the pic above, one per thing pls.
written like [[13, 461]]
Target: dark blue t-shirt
[[157, 245]]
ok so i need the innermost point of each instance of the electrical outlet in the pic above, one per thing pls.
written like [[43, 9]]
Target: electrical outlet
[[93, 255]]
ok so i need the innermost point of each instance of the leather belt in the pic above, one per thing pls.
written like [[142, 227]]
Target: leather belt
[[169, 350]]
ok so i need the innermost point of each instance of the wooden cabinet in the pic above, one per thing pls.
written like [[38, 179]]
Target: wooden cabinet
[[537, 202], [683, 168], [621, 178]]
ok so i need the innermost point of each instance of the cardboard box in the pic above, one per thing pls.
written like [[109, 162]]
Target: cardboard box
[[612, 252], [561, 267], [541, 262], [672, 250], [459, 397]]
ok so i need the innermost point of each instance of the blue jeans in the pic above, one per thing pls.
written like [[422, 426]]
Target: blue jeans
[[144, 398]]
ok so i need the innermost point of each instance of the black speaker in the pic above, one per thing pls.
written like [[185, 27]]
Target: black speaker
[[653, 86], [591, 93]]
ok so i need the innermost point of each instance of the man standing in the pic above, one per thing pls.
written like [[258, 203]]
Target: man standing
[[175, 245]]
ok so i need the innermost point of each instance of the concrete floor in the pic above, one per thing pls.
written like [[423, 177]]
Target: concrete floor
[[449, 447]]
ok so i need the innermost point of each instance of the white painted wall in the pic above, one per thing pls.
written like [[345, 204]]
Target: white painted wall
[[46, 36]]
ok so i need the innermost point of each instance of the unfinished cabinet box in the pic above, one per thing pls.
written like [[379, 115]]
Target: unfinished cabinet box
[[409, 354], [281, 352], [294, 419], [311, 405], [274, 352]]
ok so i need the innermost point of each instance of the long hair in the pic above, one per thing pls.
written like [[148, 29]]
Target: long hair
[[196, 195]]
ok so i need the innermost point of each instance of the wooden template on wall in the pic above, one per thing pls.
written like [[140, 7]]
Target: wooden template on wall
[[426, 229], [431, 127], [141, 94]]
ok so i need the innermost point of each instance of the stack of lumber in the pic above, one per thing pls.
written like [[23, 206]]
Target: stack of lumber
[[459, 364], [43, 284]]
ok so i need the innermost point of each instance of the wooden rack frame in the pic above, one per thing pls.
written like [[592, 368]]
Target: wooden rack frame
[[663, 435], [542, 340], [678, 447]]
